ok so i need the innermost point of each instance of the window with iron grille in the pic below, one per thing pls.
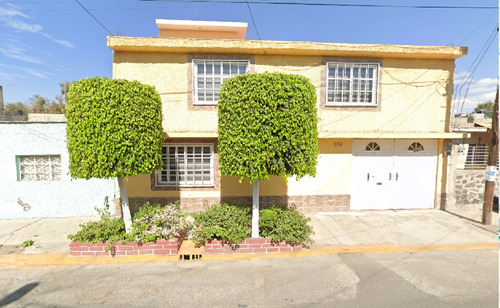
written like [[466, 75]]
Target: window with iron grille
[[477, 157], [352, 84], [187, 165], [39, 168], [208, 76]]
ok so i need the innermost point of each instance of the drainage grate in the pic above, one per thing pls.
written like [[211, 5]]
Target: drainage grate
[[190, 257]]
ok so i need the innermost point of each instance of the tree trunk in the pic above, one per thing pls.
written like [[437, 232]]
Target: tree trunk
[[127, 217], [255, 209]]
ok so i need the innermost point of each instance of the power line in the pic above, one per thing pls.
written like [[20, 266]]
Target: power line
[[469, 73], [334, 4], [465, 39], [94, 17], [253, 21]]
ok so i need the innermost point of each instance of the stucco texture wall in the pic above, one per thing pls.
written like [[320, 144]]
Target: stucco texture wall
[[415, 94], [65, 198], [333, 178]]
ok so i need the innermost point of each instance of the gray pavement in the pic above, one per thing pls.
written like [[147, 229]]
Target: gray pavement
[[410, 280], [410, 227]]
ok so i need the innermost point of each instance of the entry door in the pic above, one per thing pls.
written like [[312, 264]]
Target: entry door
[[393, 174], [371, 166], [415, 167]]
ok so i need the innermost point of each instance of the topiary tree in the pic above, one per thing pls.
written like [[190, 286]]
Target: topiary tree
[[267, 126], [114, 130]]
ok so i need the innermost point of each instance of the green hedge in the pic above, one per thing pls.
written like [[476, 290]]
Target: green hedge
[[114, 128], [267, 126]]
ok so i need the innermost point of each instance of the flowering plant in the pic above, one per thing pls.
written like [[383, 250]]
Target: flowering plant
[[153, 222]]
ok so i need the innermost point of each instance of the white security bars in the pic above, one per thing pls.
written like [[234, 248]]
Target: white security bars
[[187, 165], [352, 84], [208, 76]]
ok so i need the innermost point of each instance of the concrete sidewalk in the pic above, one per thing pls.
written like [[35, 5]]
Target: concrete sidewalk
[[369, 229]]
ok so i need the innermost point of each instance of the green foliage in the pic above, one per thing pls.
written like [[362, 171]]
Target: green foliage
[[27, 243], [230, 222], [9, 108], [488, 106], [37, 104], [268, 126], [282, 222], [111, 229], [114, 128], [153, 222]]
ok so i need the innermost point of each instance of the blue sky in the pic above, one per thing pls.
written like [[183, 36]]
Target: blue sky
[[44, 42]]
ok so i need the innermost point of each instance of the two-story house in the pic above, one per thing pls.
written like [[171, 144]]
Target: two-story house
[[384, 115]]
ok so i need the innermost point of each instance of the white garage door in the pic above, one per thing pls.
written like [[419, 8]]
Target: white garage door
[[393, 174]]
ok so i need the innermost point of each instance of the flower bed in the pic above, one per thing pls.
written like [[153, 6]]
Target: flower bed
[[249, 245], [160, 247]]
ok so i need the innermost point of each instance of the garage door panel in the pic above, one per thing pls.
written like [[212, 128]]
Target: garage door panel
[[400, 175]]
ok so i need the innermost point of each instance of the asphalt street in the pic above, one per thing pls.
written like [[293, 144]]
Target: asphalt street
[[411, 279]]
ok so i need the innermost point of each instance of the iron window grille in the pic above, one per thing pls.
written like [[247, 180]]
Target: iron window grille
[[187, 165], [352, 84], [209, 75]]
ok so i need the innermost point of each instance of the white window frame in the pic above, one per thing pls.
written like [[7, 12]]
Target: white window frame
[[166, 170], [333, 85], [213, 92], [52, 164]]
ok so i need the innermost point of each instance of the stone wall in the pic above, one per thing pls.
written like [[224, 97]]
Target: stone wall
[[469, 188]]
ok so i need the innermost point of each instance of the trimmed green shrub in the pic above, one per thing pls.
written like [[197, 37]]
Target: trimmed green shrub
[[282, 222], [111, 229], [114, 128], [267, 126], [228, 222], [153, 222]]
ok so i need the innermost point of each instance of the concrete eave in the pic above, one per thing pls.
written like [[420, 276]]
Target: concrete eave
[[213, 46], [190, 134], [345, 135], [393, 135]]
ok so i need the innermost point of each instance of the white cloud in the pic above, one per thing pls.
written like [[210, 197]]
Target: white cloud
[[9, 17], [9, 11], [21, 71], [479, 91], [18, 52]]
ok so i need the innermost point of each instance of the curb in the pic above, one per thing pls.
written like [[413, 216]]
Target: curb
[[16, 261]]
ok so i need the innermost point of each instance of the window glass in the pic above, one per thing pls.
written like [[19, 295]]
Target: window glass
[[187, 166], [351, 84], [209, 76]]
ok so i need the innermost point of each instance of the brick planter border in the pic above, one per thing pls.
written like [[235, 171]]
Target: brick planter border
[[249, 245], [160, 247]]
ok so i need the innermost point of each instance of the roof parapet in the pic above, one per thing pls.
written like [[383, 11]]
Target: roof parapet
[[170, 28]]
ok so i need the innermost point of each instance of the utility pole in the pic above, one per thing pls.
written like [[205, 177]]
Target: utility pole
[[489, 187]]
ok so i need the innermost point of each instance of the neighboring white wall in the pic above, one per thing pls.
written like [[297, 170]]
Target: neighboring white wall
[[65, 198]]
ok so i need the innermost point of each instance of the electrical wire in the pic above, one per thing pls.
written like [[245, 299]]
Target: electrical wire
[[95, 18], [470, 72], [332, 4]]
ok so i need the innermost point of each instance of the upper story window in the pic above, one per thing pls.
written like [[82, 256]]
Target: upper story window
[[352, 84], [208, 76], [39, 168]]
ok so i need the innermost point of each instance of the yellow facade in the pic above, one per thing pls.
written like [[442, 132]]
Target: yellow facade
[[415, 96]]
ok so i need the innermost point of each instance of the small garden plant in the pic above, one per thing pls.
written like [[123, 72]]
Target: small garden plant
[[27, 243], [285, 223], [232, 223], [153, 222], [108, 228], [227, 222]]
